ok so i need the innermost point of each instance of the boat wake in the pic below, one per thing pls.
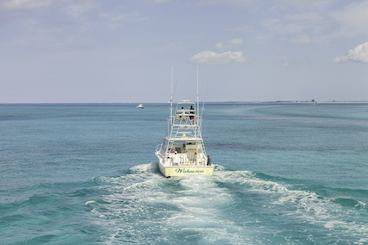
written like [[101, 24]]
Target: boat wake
[[305, 205], [144, 207]]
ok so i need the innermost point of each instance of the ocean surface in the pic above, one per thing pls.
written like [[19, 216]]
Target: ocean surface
[[86, 174]]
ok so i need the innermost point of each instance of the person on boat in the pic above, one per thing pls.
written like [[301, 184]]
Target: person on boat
[[208, 160], [191, 117], [180, 113]]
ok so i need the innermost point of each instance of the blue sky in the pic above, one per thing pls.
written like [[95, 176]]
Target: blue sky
[[122, 51]]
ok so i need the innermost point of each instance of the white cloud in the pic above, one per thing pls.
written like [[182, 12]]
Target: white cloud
[[117, 20], [304, 28], [227, 2], [73, 8], [211, 57], [159, 1], [357, 54], [233, 43], [353, 18], [79, 8], [275, 4], [322, 23], [24, 4]]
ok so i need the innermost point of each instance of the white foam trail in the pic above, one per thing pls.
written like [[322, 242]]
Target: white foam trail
[[146, 208], [308, 205], [89, 202], [201, 203], [122, 210], [361, 204], [143, 168]]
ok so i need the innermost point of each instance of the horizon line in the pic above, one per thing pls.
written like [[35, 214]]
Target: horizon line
[[209, 102]]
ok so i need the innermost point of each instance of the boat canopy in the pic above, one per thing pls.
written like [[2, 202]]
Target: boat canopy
[[186, 102], [186, 139]]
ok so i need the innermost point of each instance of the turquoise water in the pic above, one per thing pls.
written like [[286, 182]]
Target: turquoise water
[[83, 174]]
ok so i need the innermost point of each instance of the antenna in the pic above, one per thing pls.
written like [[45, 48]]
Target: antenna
[[171, 96], [197, 90]]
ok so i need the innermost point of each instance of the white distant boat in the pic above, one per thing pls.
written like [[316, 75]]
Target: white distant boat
[[140, 106], [182, 152]]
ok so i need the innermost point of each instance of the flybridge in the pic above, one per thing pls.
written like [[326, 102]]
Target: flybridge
[[186, 121]]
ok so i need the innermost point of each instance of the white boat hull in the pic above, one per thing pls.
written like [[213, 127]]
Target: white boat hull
[[169, 171]]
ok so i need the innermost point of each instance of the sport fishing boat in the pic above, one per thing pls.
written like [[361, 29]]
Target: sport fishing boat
[[140, 106], [182, 152]]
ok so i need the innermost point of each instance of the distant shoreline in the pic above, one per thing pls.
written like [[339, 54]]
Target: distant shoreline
[[279, 102]]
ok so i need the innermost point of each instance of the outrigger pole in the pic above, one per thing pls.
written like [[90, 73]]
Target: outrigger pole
[[197, 93], [197, 106], [171, 99]]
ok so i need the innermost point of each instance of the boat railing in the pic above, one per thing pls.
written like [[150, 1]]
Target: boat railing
[[158, 148], [180, 159]]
